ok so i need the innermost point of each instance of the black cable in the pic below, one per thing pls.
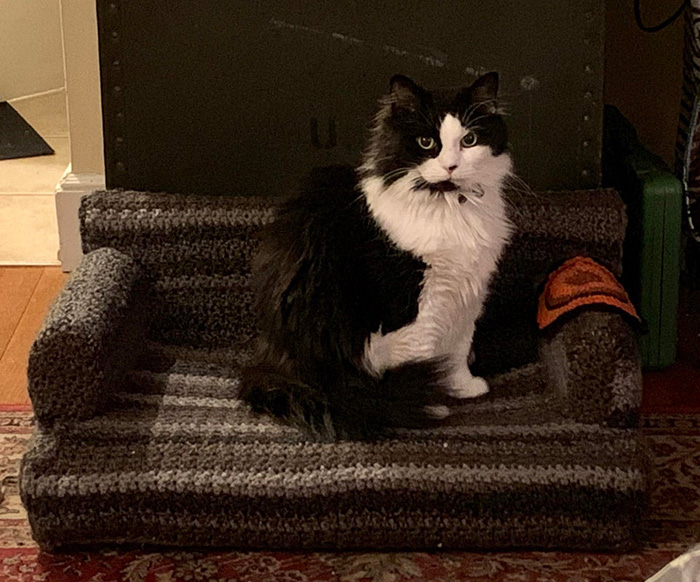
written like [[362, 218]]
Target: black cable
[[657, 27]]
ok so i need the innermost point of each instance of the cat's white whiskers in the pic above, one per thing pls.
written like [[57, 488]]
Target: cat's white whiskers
[[517, 184], [471, 109], [478, 106], [470, 122]]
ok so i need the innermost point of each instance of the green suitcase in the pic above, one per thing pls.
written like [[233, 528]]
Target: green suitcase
[[653, 245]]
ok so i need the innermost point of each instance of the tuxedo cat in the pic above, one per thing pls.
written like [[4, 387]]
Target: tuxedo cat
[[370, 281]]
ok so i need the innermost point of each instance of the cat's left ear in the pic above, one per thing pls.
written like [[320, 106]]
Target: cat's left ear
[[484, 90]]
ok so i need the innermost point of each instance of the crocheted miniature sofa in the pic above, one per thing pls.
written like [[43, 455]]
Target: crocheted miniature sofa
[[141, 438]]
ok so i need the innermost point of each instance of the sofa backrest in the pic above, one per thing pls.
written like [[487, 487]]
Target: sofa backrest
[[196, 252]]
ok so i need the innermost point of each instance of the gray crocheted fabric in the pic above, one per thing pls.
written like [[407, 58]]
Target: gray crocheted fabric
[[141, 438]]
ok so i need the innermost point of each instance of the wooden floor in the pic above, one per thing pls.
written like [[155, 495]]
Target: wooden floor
[[25, 295]]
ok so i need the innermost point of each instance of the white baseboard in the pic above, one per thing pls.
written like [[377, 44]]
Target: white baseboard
[[69, 192]]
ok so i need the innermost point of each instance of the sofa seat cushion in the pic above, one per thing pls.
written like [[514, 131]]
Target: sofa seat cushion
[[177, 459]]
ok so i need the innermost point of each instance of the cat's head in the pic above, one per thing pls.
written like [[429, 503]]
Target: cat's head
[[449, 142]]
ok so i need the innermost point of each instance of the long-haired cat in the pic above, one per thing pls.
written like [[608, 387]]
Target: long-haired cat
[[369, 283]]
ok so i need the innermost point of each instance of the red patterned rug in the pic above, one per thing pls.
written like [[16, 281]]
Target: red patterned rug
[[673, 526]]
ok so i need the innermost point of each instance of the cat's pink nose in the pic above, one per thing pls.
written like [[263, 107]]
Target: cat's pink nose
[[451, 169]]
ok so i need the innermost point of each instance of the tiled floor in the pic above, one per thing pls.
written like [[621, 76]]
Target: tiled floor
[[27, 209]]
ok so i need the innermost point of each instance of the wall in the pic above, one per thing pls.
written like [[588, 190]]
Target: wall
[[30, 48], [82, 67], [643, 71], [86, 174]]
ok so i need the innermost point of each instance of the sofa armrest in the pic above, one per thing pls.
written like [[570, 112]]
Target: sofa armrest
[[88, 339], [593, 363], [550, 228]]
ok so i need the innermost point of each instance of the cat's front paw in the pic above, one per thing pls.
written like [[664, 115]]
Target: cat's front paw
[[437, 412], [375, 360], [466, 386]]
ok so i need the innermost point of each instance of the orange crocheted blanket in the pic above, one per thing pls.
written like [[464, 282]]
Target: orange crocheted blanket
[[579, 282]]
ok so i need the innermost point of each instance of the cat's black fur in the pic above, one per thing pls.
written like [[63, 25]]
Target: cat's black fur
[[327, 277]]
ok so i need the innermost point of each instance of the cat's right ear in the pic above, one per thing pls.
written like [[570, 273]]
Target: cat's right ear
[[405, 94]]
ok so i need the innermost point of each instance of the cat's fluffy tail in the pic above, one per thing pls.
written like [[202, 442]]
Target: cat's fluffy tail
[[358, 406]]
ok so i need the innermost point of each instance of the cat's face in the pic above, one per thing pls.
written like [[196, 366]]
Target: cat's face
[[438, 142]]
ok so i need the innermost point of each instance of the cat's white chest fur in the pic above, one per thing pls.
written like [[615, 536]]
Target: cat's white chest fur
[[461, 243]]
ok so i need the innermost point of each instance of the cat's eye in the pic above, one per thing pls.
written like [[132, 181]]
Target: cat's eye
[[427, 143], [469, 140]]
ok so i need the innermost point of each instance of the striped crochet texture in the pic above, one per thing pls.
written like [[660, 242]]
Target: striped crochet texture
[[142, 439]]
